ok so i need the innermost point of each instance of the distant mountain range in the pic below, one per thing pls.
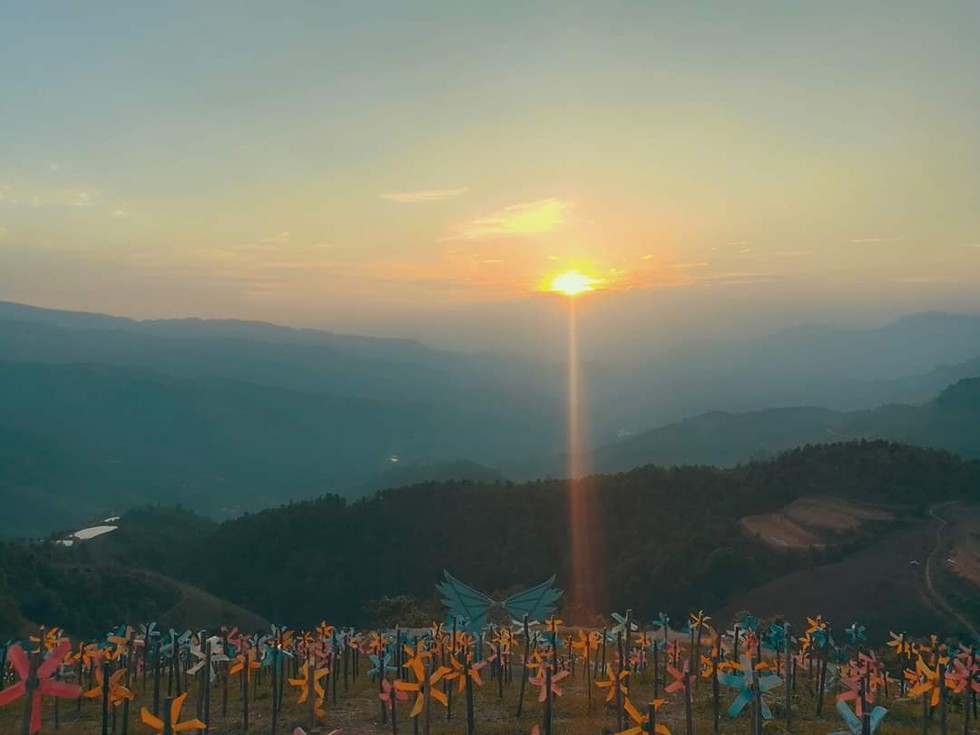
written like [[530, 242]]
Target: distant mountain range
[[951, 422], [103, 413]]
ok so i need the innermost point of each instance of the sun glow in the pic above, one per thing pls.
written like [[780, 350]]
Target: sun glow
[[573, 283]]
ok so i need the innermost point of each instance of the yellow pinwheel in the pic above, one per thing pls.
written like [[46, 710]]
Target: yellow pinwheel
[[303, 683], [117, 692], [246, 662], [420, 685], [642, 722], [171, 722], [901, 643], [460, 672], [926, 680], [612, 682]]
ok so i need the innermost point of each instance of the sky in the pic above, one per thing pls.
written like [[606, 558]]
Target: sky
[[421, 169]]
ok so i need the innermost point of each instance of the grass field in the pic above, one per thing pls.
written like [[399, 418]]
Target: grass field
[[357, 710]]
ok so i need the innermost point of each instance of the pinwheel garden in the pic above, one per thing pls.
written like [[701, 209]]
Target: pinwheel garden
[[495, 667]]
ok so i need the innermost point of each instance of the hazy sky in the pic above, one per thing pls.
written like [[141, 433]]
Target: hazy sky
[[420, 167]]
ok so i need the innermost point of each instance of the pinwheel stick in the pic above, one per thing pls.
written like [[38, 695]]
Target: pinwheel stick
[[470, 717], [547, 700], [29, 686], [787, 692], [524, 672]]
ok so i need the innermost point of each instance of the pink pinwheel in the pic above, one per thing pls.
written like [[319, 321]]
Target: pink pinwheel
[[44, 685], [682, 679], [388, 691], [541, 680]]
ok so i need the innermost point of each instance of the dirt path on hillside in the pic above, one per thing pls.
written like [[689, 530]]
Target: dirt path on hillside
[[942, 603]]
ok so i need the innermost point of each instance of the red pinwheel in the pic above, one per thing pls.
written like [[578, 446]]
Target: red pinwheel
[[42, 683]]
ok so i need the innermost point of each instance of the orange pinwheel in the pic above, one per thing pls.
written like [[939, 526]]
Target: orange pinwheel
[[643, 721], [171, 722]]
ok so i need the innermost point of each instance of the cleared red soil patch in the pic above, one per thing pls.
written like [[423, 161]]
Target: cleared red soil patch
[[812, 522]]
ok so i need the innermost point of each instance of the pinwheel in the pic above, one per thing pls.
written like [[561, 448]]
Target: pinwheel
[[926, 680], [749, 623], [620, 626], [856, 633], [211, 652], [304, 683], [117, 693], [423, 686], [460, 672], [853, 722], [171, 719], [36, 683], [465, 602], [542, 680], [903, 646], [642, 722], [661, 622], [963, 673], [614, 682], [382, 665], [681, 679], [245, 663], [744, 684]]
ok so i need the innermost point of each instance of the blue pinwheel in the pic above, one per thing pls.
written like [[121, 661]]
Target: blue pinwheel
[[381, 663], [661, 621], [853, 722], [776, 637], [856, 633], [743, 683], [175, 642], [749, 623]]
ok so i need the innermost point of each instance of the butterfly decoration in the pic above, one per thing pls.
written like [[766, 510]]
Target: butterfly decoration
[[172, 723], [641, 722], [743, 683], [472, 605], [44, 684], [853, 722]]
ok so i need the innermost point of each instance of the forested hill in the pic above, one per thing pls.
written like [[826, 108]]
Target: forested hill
[[671, 537]]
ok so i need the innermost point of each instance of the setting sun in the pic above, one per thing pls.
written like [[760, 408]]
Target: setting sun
[[573, 283]]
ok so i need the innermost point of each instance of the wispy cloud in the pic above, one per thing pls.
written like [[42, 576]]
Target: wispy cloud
[[925, 280], [280, 238], [424, 196], [685, 266], [869, 240], [52, 198], [972, 245], [529, 218]]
